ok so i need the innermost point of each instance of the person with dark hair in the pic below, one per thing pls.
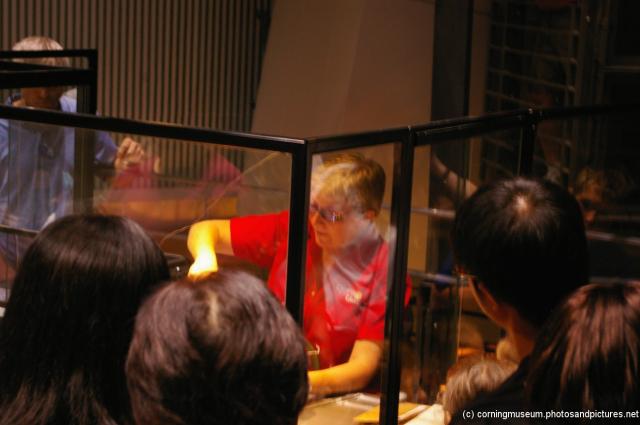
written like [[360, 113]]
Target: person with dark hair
[[67, 326], [217, 351], [521, 246], [347, 262], [587, 355]]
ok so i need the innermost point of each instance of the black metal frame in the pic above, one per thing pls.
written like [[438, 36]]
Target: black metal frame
[[405, 140]]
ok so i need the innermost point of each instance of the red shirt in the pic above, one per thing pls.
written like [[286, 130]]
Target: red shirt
[[350, 302]]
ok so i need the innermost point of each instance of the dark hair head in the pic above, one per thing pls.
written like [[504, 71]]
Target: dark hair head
[[587, 355], [525, 240], [218, 351], [69, 321]]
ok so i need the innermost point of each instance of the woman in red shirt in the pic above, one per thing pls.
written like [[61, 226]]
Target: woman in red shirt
[[346, 267]]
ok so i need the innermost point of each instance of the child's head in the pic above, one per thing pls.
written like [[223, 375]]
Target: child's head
[[472, 377]]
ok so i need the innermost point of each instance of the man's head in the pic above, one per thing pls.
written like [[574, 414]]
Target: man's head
[[524, 243], [346, 195], [41, 97], [219, 351]]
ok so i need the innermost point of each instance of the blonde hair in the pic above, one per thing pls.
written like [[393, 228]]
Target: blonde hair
[[37, 42], [357, 180]]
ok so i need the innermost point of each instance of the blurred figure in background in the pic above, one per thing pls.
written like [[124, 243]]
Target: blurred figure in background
[[608, 197], [37, 160], [603, 190]]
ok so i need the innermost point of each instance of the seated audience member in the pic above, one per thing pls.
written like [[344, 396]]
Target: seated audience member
[[472, 377], [217, 351], [587, 355], [69, 321], [521, 246]]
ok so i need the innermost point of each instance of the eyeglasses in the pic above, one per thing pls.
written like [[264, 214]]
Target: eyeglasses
[[326, 214]]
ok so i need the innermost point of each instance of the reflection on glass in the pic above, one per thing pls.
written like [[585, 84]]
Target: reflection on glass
[[432, 331]]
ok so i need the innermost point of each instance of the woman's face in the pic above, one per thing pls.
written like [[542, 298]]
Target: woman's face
[[335, 224]]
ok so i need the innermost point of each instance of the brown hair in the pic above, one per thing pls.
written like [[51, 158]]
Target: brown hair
[[586, 357], [218, 351], [69, 321]]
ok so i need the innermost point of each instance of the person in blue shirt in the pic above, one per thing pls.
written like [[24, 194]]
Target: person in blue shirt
[[37, 160]]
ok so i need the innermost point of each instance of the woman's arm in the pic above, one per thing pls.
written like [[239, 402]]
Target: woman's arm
[[204, 240], [351, 376]]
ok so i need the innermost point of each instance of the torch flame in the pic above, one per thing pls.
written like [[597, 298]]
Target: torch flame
[[205, 263]]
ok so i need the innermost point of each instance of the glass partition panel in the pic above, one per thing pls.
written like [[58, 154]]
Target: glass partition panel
[[444, 323], [163, 184], [168, 184], [346, 288], [36, 186]]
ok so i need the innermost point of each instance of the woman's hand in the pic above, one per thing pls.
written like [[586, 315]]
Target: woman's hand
[[205, 262], [203, 240], [351, 376]]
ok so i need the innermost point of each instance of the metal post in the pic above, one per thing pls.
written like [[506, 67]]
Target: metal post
[[298, 229], [527, 143], [85, 141], [397, 276]]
